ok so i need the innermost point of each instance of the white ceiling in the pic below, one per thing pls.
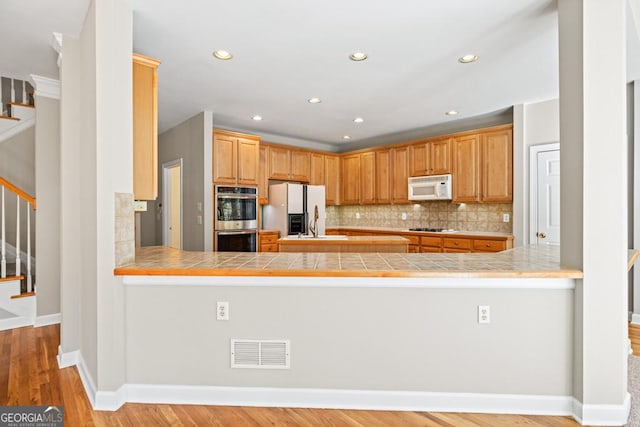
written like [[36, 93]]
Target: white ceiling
[[286, 51]]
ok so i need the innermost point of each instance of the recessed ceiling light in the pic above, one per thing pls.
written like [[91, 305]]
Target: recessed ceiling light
[[358, 120], [346, 137], [257, 118], [314, 100], [451, 113], [358, 56], [222, 54], [468, 58]]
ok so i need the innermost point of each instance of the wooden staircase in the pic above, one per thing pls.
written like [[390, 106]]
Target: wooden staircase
[[17, 111], [17, 290]]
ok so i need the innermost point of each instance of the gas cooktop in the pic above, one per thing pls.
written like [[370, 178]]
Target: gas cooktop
[[434, 230]]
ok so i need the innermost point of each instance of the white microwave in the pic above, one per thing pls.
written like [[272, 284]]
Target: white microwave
[[434, 187]]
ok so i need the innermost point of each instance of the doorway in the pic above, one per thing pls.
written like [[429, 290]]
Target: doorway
[[172, 196], [544, 218]]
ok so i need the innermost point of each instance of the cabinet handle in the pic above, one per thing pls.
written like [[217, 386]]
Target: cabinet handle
[[455, 243], [541, 235], [487, 245]]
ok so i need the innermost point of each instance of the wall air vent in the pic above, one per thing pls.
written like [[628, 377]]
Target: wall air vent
[[260, 354]]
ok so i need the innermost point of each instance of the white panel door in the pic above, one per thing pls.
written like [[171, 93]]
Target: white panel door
[[548, 230]]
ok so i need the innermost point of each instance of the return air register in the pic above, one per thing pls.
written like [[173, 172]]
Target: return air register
[[260, 354]]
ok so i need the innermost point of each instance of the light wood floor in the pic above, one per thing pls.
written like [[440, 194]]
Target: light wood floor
[[29, 375]]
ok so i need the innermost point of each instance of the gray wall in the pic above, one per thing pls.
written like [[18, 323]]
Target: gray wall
[[48, 198], [356, 338], [17, 165], [185, 141]]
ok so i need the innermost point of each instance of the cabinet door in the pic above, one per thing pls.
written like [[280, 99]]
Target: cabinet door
[[145, 127], [497, 166], [419, 159], [351, 180], [368, 178], [248, 159], [316, 174], [263, 176], [332, 179], [466, 164], [400, 175], [440, 158], [224, 159], [300, 161], [383, 177], [279, 163]]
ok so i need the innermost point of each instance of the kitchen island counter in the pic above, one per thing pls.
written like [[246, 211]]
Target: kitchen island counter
[[521, 262]]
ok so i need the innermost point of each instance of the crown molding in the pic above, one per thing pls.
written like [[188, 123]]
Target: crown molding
[[56, 44], [46, 87]]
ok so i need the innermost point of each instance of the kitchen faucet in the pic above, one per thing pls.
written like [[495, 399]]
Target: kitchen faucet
[[313, 226]]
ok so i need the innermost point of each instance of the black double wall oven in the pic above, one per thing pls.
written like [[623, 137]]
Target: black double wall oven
[[236, 224]]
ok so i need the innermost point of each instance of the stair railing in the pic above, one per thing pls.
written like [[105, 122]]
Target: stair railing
[[30, 202]]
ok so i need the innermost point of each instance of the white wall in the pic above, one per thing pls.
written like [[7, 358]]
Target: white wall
[[533, 124], [47, 167], [96, 157]]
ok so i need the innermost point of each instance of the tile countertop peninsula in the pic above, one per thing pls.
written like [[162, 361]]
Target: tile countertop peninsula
[[522, 262], [455, 233]]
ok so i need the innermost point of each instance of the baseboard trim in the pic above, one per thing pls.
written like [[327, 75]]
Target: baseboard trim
[[47, 319], [349, 399], [602, 415], [635, 319], [15, 322], [87, 381], [67, 359]]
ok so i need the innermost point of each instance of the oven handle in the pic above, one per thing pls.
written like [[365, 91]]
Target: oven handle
[[225, 196], [228, 233]]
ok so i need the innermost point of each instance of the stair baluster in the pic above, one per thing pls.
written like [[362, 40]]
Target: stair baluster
[[3, 261], [18, 266], [29, 278]]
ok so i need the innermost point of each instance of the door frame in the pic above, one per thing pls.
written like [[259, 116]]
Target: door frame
[[534, 150], [165, 197]]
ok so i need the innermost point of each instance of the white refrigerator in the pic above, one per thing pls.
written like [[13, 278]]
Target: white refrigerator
[[291, 205]]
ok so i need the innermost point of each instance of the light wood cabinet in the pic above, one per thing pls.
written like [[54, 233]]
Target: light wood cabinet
[[399, 175], [350, 179], [317, 172], [235, 158], [483, 167], [497, 166], [466, 169], [332, 181], [145, 127], [382, 177], [263, 175], [288, 164], [431, 157], [268, 240], [300, 161], [368, 178]]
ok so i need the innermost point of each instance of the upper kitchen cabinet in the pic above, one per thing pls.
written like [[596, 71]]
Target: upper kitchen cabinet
[[431, 157], [497, 159], [368, 178], [263, 175], [483, 166], [382, 176], [235, 158], [288, 164], [466, 169], [400, 174], [145, 127], [350, 179], [332, 180], [316, 171]]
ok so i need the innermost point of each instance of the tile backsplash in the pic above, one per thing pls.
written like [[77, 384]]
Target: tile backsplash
[[124, 229], [434, 214]]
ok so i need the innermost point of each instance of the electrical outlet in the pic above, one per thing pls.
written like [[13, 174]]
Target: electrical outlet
[[357, 215], [222, 310], [199, 219], [484, 314], [505, 217], [404, 216]]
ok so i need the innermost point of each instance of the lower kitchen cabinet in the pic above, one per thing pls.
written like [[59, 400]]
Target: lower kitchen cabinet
[[268, 240]]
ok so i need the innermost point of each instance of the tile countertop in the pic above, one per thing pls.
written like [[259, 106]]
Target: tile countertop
[[457, 233], [521, 262]]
